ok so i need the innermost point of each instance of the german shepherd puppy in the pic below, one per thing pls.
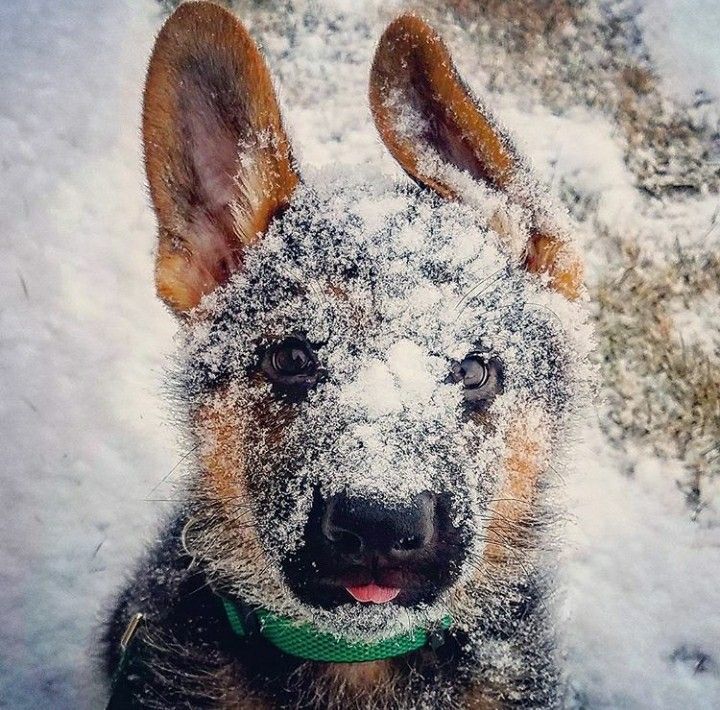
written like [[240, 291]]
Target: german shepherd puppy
[[377, 379]]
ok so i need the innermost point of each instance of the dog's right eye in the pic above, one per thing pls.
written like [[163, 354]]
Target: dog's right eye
[[291, 365], [291, 358]]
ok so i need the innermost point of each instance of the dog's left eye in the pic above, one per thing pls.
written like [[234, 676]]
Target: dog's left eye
[[291, 365], [482, 378], [472, 371]]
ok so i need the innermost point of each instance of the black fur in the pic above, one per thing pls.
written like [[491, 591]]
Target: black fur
[[185, 651]]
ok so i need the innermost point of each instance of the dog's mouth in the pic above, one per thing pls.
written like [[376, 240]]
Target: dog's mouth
[[355, 552], [364, 586]]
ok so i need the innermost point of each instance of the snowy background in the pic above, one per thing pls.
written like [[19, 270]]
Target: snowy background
[[88, 457]]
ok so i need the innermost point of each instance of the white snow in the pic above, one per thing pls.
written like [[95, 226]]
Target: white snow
[[83, 337], [85, 442], [682, 38], [643, 586]]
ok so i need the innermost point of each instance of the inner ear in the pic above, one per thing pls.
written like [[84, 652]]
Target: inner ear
[[423, 110], [218, 160]]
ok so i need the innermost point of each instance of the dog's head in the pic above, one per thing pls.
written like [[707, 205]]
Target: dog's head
[[375, 374]]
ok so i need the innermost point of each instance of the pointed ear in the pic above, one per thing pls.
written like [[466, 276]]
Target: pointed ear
[[218, 161], [430, 121]]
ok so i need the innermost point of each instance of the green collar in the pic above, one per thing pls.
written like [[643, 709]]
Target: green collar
[[304, 641]]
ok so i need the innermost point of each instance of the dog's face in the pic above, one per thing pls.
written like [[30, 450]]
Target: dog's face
[[375, 375]]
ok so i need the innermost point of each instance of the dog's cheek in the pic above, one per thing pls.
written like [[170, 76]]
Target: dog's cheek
[[223, 427], [514, 510], [511, 511], [220, 428], [247, 464], [223, 529], [281, 472], [238, 434]]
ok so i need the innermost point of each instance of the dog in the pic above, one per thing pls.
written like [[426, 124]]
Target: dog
[[377, 378]]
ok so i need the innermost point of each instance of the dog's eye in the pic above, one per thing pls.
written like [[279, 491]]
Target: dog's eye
[[472, 371], [482, 378], [292, 357], [291, 366]]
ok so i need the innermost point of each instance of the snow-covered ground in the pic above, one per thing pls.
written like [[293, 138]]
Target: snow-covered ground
[[86, 450], [682, 35]]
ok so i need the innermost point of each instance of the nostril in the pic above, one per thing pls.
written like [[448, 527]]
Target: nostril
[[346, 542]]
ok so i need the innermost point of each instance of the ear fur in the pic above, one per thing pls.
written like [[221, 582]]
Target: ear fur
[[218, 160], [424, 113]]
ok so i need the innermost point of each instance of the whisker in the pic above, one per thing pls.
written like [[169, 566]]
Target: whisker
[[174, 468], [471, 293]]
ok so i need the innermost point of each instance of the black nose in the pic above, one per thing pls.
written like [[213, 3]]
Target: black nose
[[357, 527]]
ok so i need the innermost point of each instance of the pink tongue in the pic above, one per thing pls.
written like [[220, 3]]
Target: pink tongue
[[373, 593]]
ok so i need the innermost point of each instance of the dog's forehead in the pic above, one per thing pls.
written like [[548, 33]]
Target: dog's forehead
[[367, 233], [379, 253]]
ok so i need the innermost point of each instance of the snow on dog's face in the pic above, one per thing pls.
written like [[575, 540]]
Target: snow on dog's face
[[375, 374]]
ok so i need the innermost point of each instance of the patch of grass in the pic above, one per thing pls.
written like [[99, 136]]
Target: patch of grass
[[662, 389], [592, 53]]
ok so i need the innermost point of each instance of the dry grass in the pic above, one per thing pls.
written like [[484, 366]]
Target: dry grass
[[661, 389], [588, 53]]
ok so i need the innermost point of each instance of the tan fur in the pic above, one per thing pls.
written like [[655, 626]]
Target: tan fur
[[514, 503], [200, 247], [361, 674], [221, 432], [234, 695], [549, 255], [226, 433], [357, 684], [477, 699]]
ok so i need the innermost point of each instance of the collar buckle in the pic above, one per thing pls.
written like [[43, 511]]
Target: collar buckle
[[130, 630]]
